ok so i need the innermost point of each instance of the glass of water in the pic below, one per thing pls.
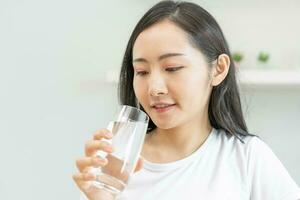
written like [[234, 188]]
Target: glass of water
[[129, 131]]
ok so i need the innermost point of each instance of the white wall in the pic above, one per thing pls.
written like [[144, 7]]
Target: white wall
[[53, 59]]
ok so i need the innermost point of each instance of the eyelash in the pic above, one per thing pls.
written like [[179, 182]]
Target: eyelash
[[171, 69]]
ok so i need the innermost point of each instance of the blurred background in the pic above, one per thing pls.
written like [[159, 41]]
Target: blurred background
[[59, 62]]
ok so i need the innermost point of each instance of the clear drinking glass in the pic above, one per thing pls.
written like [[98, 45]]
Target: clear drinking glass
[[129, 131]]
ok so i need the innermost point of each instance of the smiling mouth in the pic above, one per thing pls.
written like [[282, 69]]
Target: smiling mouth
[[164, 108]]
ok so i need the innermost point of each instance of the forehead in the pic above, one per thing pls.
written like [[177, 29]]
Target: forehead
[[163, 37]]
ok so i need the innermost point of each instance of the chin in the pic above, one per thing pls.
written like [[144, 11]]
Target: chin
[[164, 125]]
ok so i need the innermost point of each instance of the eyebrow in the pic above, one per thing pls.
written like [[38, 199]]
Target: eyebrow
[[161, 57]]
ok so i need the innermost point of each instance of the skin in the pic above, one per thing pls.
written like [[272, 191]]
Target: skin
[[180, 131], [186, 126]]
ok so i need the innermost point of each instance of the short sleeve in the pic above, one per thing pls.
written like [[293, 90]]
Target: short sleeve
[[269, 179]]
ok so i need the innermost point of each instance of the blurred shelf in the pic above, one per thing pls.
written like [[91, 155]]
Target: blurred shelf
[[272, 78]]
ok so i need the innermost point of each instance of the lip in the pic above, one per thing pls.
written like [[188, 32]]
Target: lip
[[161, 103], [166, 109]]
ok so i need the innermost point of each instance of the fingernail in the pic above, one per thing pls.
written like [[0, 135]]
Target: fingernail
[[109, 134], [97, 160]]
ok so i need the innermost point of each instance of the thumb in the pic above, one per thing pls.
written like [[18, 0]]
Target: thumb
[[139, 164]]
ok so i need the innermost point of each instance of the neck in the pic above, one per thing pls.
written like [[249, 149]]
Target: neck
[[182, 140]]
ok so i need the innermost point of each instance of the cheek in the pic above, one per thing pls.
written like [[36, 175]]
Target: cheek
[[139, 90], [190, 91]]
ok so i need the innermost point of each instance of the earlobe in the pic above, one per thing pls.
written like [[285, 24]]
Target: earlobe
[[220, 69]]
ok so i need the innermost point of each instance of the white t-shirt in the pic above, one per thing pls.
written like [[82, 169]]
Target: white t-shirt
[[222, 168]]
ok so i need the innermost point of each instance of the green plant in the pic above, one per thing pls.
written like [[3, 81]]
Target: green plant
[[237, 56], [263, 57]]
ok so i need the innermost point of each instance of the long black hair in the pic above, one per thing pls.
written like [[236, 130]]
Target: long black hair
[[224, 111]]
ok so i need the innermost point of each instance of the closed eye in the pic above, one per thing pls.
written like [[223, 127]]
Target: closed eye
[[141, 73], [173, 69]]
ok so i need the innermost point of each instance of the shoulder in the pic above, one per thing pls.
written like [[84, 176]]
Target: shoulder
[[234, 151], [239, 143], [251, 153], [267, 177], [253, 149]]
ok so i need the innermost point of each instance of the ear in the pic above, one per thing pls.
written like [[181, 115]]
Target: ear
[[220, 69]]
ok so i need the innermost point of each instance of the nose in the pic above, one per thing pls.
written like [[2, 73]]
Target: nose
[[157, 85]]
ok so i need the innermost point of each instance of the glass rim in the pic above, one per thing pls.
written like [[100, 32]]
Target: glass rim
[[147, 118]]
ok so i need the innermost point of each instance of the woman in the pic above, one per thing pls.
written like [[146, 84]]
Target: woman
[[178, 69]]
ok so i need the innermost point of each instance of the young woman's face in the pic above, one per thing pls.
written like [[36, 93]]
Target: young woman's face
[[168, 69]]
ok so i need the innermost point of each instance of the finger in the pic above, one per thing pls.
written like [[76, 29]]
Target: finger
[[92, 146], [103, 133], [84, 177], [83, 180], [85, 162]]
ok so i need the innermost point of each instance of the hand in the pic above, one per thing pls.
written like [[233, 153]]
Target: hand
[[84, 177]]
